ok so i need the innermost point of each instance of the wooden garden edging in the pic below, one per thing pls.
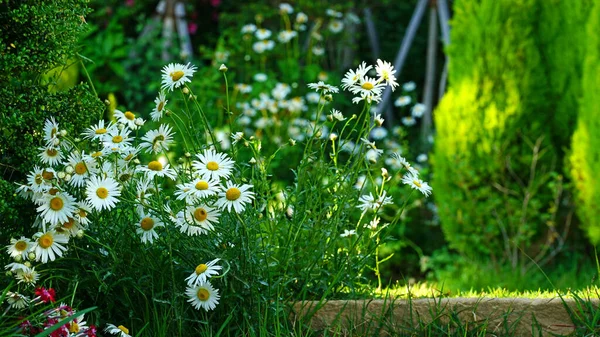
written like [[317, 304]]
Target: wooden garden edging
[[366, 315]]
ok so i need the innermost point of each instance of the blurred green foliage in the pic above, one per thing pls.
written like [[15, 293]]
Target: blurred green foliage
[[497, 165], [36, 38], [585, 152]]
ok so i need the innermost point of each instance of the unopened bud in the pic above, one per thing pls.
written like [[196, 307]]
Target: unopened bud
[[384, 173], [68, 177], [27, 263], [292, 142], [333, 137], [252, 161], [187, 154], [63, 133], [328, 97], [185, 90], [223, 68], [31, 256], [69, 169], [61, 175], [18, 258]]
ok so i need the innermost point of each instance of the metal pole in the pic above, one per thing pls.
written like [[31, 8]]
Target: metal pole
[[432, 42], [402, 53], [371, 33]]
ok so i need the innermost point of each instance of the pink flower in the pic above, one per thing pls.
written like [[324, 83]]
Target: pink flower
[[46, 295], [192, 27]]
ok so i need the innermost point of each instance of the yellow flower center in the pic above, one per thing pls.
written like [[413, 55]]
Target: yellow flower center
[[160, 106], [82, 213], [367, 85], [213, 166], [46, 240], [200, 214], [21, 246], [102, 193], [147, 223], [100, 131], [39, 179], [129, 157], [201, 268], [417, 183], [203, 294], [176, 75], [80, 168], [51, 152], [96, 154], [233, 194], [69, 224], [129, 115], [117, 139], [56, 204], [47, 175], [53, 132], [202, 185], [155, 165], [53, 191], [74, 327], [124, 329]]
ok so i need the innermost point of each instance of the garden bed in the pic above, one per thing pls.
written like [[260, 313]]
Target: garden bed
[[496, 316]]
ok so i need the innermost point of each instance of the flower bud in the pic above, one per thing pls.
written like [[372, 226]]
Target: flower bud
[[185, 90], [69, 169], [223, 68]]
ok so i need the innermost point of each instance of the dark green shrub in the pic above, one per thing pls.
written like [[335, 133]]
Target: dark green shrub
[[585, 153], [36, 37], [495, 162]]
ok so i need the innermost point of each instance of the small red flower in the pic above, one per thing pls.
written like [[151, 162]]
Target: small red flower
[[91, 331], [46, 295]]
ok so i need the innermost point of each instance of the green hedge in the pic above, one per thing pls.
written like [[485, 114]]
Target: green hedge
[[36, 38], [506, 79], [585, 154]]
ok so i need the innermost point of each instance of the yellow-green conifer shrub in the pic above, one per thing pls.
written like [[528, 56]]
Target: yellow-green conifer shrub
[[495, 160], [585, 151]]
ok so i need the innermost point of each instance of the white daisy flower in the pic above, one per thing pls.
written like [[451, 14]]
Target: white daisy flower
[[203, 272], [236, 137], [412, 179], [403, 101], [379, 133], [422, 157], [51, 132], [56, 208], [83, 167], [348, 233], [333, 13], [102, 193], [50, 155], [409, 86], [335, 26], [402, 161], [49, 245], [120, 330], [16, 300], [155, 141], [29, 277], [337, 115], [286, 36], [243, 88], [159, 106], [260, 77], [262, 34], [147, 225], [199, 188], [156, 169], [235, 196], [126, 118], [197, 220], [301, 18], [418, 110], [15, 267], [284, 7], [71, 227], [144, 189], [385, 71], [213, 165], [82, 212], [318, 50], [369, 202], [367, 86], [117, 140], [19, 247], [248, 29], [378, 120], [203, 296], [37, 179], [176, 75], [409, 121], [97, 131], [323, 88]]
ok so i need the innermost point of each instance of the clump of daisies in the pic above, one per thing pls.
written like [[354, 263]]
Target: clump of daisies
[[79, 180], [366, 87]]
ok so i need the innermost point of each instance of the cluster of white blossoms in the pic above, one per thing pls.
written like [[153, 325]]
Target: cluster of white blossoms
[[80, 178], [369, 88]]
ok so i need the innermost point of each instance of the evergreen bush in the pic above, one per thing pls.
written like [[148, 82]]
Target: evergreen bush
[[585, 153], [495, 162], [36, 38]]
